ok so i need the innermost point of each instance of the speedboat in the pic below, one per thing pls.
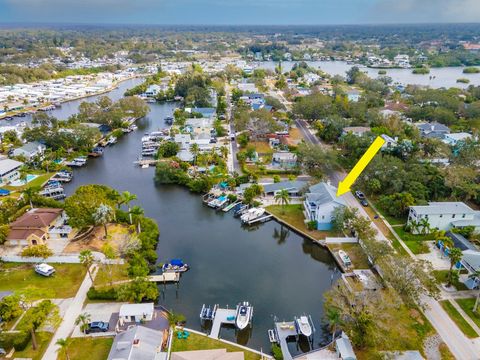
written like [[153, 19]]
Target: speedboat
[[303, 326], [252, 214], [175, 265], [44, 269], [244, 315], [345, 258]]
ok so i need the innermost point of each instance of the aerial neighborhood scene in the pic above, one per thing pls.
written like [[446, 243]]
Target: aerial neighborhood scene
[[209, 180]]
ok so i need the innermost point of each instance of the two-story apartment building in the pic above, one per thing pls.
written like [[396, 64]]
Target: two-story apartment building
[[444, 216]]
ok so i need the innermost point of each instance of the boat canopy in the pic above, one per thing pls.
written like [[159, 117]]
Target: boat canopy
[[176, 262]]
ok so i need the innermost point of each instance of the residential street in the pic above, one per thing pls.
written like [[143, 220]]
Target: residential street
[[68, 322]]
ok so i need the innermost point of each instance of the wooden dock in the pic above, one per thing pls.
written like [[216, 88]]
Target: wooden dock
[[284, 330], [231, 206], [222, 316], [148, 162], [165, 277]]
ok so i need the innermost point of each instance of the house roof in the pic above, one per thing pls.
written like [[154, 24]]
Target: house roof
[[458, 136], [284, 156], [471, 222], [31, 147], [36, 218], [136, 343], [356, 129], [344, 347], [471, 259], [433, 126], [434, 208], [136, 309], [8, 165], [323, 193], [288, 185], [460, 241]]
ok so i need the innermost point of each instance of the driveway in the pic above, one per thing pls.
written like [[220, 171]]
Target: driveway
[[106, 312]]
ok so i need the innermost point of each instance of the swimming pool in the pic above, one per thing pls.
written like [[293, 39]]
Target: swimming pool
[[28, 178]]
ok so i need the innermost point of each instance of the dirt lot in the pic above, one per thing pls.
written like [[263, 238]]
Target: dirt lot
[[117, 237]]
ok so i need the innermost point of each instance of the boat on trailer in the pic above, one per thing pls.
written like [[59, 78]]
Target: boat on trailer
[[244, 315], [44, 269]]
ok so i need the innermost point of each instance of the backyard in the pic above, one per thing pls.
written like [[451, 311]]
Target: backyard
[[200, 342], [63, 284], [104, 277], [355, 253], [91, 348], [416, 243]]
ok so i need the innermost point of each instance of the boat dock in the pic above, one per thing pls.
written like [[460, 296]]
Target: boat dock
[[231, 206], [222, 316], [165, 277], [284, 330], [146, 162], [260, 220]]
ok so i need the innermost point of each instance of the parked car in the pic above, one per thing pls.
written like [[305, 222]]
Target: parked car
[[364, 202], [97, 326], [360, 195]]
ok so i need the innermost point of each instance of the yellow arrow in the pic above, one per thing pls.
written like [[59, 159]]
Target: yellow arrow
[[344, 186]]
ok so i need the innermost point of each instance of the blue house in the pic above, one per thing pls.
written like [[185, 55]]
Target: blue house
[[320, 202]]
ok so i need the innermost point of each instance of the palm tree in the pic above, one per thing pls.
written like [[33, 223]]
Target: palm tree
[[334, 319], [63, 347], [175, 318], [195, 149], [283, 197], [137, 212], [29, 192], [127, 198], [87, 259], [103, 215], [83, 320], [425, 226], [455, 256], [476, 276], [224, 151]]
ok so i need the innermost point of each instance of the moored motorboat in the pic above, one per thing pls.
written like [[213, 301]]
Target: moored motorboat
[[244, 315], [252, 214], [175, 265], [303, 326]]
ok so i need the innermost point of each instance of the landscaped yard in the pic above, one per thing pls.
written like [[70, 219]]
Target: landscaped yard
[[467, 306], [91, 348], [416, 243], [104, 278], [63, 284], [293, 215], [458, 319], [442, 278], [261, 147], [200, 342], [43, 339], [355, 252]]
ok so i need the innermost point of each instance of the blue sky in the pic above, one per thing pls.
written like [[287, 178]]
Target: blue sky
[[238, 12]]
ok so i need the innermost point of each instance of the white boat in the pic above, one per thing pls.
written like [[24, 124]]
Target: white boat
[[145, 166], [133, 127], [44, 269], [244, 315], [112, 140], [252, 214], [345, 258], [303, 326]]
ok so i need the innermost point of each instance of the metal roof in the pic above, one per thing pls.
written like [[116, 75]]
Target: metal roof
[[439, 208]]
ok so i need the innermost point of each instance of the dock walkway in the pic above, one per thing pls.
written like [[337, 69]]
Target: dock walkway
[[165, 277], [221, 317], [284, 330]]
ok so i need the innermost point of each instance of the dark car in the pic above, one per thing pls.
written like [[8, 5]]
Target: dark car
[[364, 202], [97, 326], [360, 195]]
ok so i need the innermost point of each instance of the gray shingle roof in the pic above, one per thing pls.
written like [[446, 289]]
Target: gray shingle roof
[[322, 193], [147, 344]]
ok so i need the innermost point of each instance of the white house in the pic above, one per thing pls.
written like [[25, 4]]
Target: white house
[[455, 138], [320, 202], [153, 90], [9, 170], [356, 130], [444, 215], [30, 150], [136, 312]]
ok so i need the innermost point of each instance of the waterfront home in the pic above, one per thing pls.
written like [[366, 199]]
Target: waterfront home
[[206, 112], [9, 170], [136, 313], [356, 130], [30, 150], [456, 138], [443, 216], [37, 227], [137, 343], [153, 90], [320, 202], [432, 130], [344, 349], [295, 188], [284, 159]]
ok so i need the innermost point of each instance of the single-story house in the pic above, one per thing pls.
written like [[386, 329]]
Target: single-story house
[[294, 188], [136, 312], [456, 138], [444, 215], [433, 130], [344, 349], [389, 141], [284, 159], [30, 150], [356, 130], [320, 202], [137, 343], [9, 170], [37, 226]]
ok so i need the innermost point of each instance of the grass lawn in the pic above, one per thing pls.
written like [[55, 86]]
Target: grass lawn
[[458, 319], [43, 339], [445, 352], [293, 215], [261, 147], [391, 219], [467, 306], [417, 247], [103, 278], [200, 342], [355, 252], [64, 284], [96, 348], [416, 243], [442, 278]]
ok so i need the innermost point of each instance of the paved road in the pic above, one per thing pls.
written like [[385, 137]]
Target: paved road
[[233, 143], [461, 347], [68, 322]]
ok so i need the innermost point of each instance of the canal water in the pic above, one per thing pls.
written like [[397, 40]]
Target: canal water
[[281, 273]]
